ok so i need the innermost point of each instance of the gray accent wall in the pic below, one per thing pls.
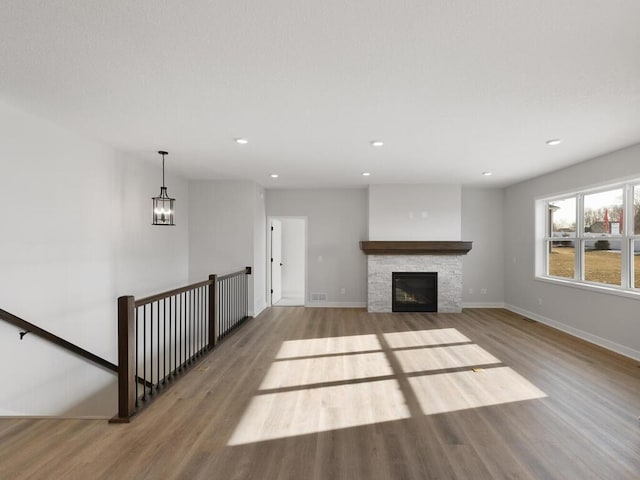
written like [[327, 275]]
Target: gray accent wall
[[227, 231], [603, 318], [483, 266], [337, 222]]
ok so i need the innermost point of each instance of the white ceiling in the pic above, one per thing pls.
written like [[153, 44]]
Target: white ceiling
[[453, 87]]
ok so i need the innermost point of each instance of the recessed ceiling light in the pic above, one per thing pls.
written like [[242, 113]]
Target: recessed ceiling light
[[487, 174], [274, 175], [242, 141], [553, 142], [376, 143], [366, 174]]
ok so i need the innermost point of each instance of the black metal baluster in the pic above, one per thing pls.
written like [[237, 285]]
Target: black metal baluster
[[175, 335], [198, 317], [164, 341], [189, 325], [226, 306], [169, 347], [186, 333], [223, 319], [179, 339], [218, 312], [203, 327], [196, 340], [144, 351], [151, 349], [207, 324], [158, 344], [193, 307], [136, 314], [203, 324]]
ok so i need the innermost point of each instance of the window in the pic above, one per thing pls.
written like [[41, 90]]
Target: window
[[562, 225], [603, 223], [592, 237]]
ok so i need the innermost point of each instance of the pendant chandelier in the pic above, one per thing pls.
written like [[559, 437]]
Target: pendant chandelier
[[163, 210]]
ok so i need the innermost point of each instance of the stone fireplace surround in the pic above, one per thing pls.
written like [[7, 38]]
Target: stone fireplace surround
[[444, 257]]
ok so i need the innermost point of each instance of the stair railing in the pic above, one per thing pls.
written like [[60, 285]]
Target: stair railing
[[162, 336], [28, 327]]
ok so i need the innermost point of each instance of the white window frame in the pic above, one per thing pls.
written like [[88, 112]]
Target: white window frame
[[627, 238]]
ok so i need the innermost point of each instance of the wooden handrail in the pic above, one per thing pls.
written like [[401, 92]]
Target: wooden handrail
[[168, 293], [61, 342], [247, 270]]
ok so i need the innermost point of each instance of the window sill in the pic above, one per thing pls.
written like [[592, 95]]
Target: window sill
[[618, 291]]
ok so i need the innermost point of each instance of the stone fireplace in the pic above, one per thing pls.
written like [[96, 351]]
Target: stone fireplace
[[441, 257]]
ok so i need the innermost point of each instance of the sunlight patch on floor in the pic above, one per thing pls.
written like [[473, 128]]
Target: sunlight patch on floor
[[448, 392], [314, 370], [294, 397], [440, 358], [313, 410], [328, 346], [424, 338]]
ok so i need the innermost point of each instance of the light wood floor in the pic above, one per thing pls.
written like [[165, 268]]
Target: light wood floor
[[341, 394]]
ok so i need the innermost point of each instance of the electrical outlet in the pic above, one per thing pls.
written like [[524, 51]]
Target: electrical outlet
[[483, 291], [471, 291], [343, 291]]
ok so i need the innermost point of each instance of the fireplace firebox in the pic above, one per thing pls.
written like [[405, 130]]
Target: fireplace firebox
[[414, 291]]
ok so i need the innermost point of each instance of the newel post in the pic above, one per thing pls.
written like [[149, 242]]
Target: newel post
[[213, 301], [126, 358]]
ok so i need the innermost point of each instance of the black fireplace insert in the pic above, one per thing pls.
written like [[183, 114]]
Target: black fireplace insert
[[414, 291]]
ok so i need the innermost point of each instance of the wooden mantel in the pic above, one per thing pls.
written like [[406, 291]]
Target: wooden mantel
[[415, 248]]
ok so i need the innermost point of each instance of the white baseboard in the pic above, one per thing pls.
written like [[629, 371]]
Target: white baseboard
[[483, 305], [589, 337], [335, 304]]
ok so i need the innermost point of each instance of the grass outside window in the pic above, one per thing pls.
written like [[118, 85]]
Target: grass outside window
[[601, 266]]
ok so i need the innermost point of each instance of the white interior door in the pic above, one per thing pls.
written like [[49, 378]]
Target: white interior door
[[276, 261]]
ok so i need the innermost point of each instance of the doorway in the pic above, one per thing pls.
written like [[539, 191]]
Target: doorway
[[287, 260]]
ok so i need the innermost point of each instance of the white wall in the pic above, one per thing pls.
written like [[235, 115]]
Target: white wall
[[76, 233], [483, 266], [603, 318], [415, 212], [293, 257], [337, 222], [227, 232], [259, 275]]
